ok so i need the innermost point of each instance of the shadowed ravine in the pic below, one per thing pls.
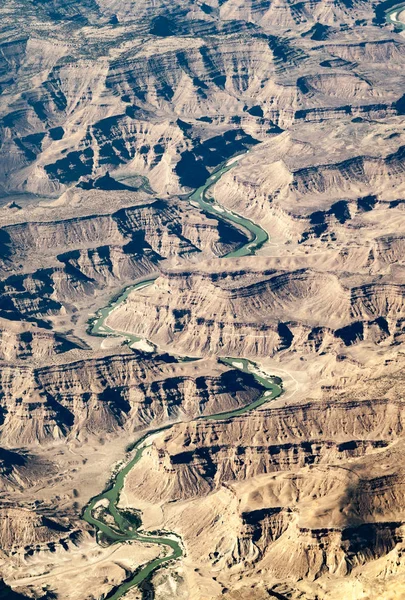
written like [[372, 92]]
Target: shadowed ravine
[[124, 529]]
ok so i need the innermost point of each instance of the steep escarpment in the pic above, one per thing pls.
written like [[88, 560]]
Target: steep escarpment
[[183, 470], [301, 197], [294, 526], [117, 241], [21, 340], [147, 96], [53, 268], [313, 494], [256, 313], [111, 114], [113, 393]]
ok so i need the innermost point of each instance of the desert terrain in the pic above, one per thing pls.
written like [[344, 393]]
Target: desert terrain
[[202, 317]]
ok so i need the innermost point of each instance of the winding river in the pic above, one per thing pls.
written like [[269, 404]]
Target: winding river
[[392, 15], [102, 511], [123, 526]]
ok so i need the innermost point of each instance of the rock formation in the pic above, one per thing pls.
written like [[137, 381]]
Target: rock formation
[[112, 114]]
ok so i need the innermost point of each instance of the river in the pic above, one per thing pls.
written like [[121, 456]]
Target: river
[[393, 13], [124, 527]]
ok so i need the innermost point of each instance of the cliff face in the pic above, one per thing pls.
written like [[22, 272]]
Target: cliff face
[[105, 395], [288, 439], [258, 313], [308, 493], [23, 340], [149, 91], [111, 114], [52, 269], [305, 196]]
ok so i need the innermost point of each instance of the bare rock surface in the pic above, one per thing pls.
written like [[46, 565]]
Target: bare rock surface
[[111, 115]]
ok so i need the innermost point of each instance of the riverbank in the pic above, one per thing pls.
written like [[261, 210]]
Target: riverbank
[[120, 528]]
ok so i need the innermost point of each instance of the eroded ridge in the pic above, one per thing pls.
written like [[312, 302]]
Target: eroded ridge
[[226, 180], [103, 512]]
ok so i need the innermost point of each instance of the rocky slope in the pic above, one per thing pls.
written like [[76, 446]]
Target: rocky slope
[[54, 269], [257, 311], [110, 113], [19, 470], [310, 493], [148, 90], [114, 392]]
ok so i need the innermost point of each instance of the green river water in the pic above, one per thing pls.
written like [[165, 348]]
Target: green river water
[[392, 14], [125, 529], [258, 236]]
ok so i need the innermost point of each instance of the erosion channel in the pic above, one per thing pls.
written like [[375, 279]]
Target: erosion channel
[[127, 528]]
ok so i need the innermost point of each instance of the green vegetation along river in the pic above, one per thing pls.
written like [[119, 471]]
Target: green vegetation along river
[[123, 527]]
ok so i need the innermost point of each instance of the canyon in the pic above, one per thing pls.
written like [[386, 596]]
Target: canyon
[[202, 300]]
